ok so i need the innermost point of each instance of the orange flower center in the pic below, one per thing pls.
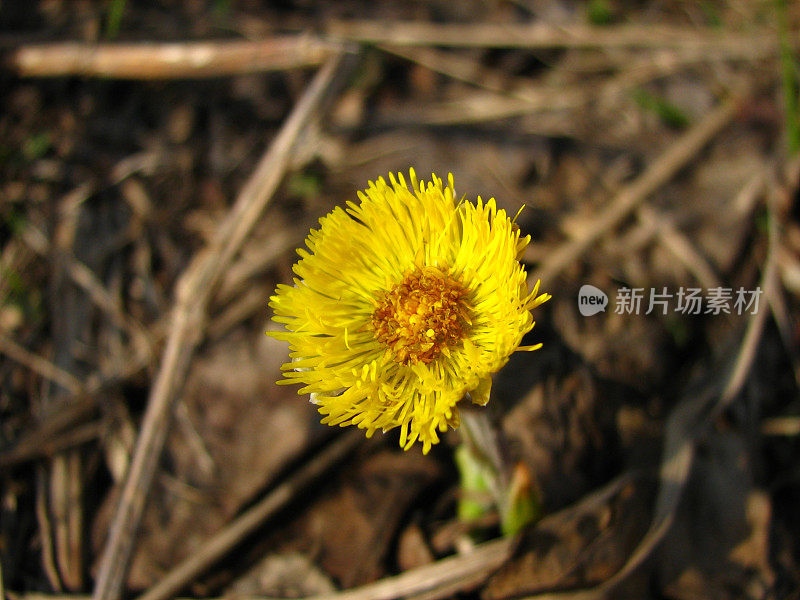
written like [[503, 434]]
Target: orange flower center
[[422, 315]]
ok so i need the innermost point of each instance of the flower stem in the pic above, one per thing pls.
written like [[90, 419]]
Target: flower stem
[[483, 471]]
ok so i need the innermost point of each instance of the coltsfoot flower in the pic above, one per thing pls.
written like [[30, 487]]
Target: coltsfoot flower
[[403, 304]]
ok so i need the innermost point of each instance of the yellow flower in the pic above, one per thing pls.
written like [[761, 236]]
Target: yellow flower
[[403, 304]]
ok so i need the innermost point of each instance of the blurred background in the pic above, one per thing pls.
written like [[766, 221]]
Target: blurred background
[[161, 161]]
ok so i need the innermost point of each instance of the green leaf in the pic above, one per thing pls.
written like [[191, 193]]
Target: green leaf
[[36, 145], [116, 8], [475, 499], [670, 115], [599, 12], [522, 503]]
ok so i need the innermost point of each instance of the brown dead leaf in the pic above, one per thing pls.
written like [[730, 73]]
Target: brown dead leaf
[[579, 546], [282, 576], [351, 530], [233, 432], [412, 549], [719, 546], [560, 430]]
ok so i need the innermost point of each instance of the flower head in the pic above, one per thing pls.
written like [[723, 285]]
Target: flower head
[[404, 303]]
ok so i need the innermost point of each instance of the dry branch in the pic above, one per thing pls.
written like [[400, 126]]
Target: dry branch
[[688, 422], [659, 226], [545, 35], [233, 533], [40, 365], [656, 175], [507, 97], [451, 574], [149, 60], [440, 579], [194, 291], [36, 447]]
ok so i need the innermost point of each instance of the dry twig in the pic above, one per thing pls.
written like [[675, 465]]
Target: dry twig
[[660, 172], [39, 446], [40, 365], [233, 533], [194, 291], [545, 35], [171, 60], [450, 574], [687, 423]]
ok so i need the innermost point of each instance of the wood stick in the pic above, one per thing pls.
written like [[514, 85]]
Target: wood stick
[[233, 533], [40, 365], [632, 195], [148, 60], [194, 291], [543, 35], [80, 434], [445, 576], [687, 423]]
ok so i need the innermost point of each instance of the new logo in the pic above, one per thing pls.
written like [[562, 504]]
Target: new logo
[[591, 300]]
